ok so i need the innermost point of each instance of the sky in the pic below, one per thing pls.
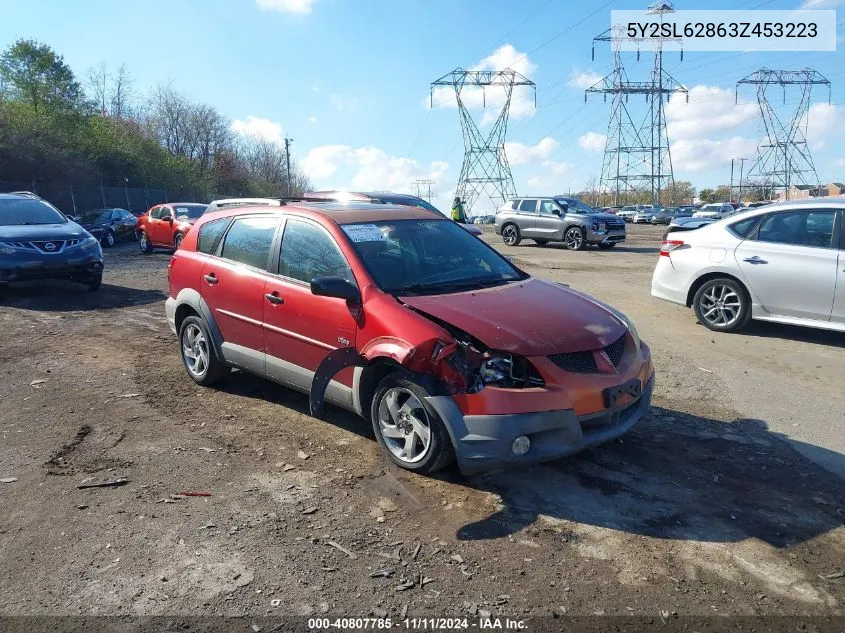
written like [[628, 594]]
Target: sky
[[349, 81]]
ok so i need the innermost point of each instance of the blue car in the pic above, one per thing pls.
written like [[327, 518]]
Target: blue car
[[37, 241]]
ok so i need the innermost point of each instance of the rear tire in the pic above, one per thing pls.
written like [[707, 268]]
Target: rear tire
[[198, 353], [408, 430], [177, 241], [511, 235], [144, 243], [722, 305], [108, 239]]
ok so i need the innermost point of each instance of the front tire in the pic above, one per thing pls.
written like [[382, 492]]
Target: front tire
[[408, 430], [575, 239], [511, 235], [95, 282], [722, 305], [144, 243], [198, 353], [108, 239]]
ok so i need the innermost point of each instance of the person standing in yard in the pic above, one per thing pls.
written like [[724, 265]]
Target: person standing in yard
[[458, 213]]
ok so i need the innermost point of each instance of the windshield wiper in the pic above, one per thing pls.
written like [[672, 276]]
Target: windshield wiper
[[452, 286]]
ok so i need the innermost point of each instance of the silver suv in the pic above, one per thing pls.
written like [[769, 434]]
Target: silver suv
[[558, 219]]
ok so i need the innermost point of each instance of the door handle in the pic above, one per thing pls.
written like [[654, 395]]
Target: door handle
[[755, 260], [274, 298], [211, 278]]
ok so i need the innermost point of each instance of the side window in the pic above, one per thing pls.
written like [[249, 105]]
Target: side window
[[308, 252], [155, 213], [209, 235], [166, 212], [801, 228], [529, 206], [744, 227], [547, 207], [248, 241]]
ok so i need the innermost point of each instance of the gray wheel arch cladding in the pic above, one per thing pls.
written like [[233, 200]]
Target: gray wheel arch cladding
[[191, 298]]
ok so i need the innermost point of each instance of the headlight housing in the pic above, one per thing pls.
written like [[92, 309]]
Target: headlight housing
[[6, 250], [504, 370], [631, 327], [90, 243]]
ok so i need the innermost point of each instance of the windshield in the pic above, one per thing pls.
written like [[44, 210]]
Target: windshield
[[427, 257], [95, 215], [409, 201], [575, 205], [27, 211], [190, 211]]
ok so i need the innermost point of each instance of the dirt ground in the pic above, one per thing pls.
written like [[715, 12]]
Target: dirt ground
[[727, 499]]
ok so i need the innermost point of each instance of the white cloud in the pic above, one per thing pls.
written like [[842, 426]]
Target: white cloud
[[710, 111], [839, 162], [823, 123], [312, 120], [690, 155], [259, 128], [556, 167], [519, 153], [822, 4], [301, 7], [592, 142], [371, 169], [584, 79], [315, 88], [492, 98]]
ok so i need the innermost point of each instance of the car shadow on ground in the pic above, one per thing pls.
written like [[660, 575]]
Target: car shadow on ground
[[249, 386], [622, 248], [765, 329], [59, 296], [676, 477]]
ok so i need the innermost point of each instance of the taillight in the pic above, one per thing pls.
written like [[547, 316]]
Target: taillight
[[670, 245]]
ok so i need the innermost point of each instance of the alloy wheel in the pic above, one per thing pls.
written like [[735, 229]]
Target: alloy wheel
[[509, 235], [195, 350], [143, 241], [574, 239], [404, 425], [720, 306]]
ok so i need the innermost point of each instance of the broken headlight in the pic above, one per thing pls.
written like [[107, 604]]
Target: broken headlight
[[504, 370]]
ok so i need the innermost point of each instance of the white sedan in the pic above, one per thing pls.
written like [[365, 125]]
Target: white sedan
[[783, 263]]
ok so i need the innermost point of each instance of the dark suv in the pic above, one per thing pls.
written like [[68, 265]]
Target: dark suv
[[38, 242]]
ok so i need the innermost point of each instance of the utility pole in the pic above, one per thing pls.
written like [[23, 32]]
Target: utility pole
[[288, 141], [732, 181], [741, 165], [424, 182]]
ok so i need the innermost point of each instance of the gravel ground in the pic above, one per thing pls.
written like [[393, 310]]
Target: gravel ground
[[727, 499]]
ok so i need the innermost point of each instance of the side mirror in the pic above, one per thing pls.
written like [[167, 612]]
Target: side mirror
[[335, 287]]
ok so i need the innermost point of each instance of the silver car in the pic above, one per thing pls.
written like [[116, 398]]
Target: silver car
[[558, 219]]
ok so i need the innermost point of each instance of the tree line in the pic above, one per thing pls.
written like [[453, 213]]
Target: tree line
[[100, 129]]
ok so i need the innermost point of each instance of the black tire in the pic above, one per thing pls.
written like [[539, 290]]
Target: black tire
[[108, 239], [607, 245], [541, 242], [94, 282], [215, 369], [511, 235], [735, 294], [144, 243], [572, 242], [439, 452], [177, 241]]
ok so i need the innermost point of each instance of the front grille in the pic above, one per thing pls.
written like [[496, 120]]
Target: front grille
[[23, 245], [615, 350], [615, 225], [50, 246], [576, 362]]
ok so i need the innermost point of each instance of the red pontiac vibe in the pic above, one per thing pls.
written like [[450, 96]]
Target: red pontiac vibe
[[401, 316], [165, 225]]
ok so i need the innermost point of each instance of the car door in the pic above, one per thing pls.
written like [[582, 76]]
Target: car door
[[123, 224], [232, 285], [163, 227], [838, 312], [526, 214], [300, 328], [548, 223], [790, 263]]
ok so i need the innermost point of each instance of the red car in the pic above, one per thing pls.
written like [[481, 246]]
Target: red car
[[401, 316], [165, 225]]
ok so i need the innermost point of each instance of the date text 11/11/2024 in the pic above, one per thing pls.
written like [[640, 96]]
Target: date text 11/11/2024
[[418, 624]]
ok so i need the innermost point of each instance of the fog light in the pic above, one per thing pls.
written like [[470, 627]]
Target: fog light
[[521, 445]]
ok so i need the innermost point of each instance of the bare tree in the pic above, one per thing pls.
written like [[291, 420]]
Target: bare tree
[[122, 93], [112, 92], [97, 84]]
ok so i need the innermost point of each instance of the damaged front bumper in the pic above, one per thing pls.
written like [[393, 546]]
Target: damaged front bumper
[[484, 442]]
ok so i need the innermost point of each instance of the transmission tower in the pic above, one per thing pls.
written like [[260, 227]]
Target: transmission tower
[[637, 160], [485, 163], [783, 156], [424, 185]]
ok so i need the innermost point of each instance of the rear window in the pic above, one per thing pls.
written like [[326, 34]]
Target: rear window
[[744, 227], [190, 211], [28, 211], [249, 241], [209, 235]]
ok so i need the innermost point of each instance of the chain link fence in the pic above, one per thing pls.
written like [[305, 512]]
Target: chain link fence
[[74, 199]]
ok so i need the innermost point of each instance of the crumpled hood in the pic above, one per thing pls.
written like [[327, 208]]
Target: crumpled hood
[[531, 318], [42, 232]]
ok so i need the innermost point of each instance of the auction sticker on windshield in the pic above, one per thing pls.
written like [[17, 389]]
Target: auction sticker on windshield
[[364, 233]]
